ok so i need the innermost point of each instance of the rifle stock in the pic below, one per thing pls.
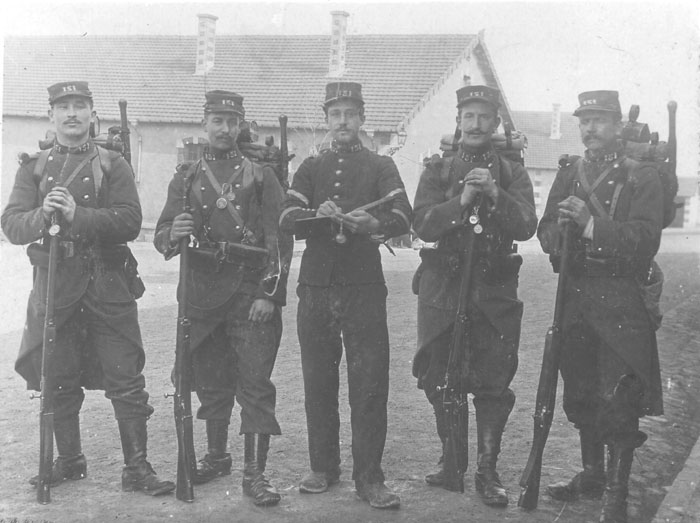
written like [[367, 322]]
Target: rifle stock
[[454, 400], [46, 398], [672, 143], [182, 399], [546, 390]]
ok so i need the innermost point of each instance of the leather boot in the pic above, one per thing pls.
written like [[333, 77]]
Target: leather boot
[[620, 454], [590, 482], [70, 463], [255, 484], [138, 474], [437, 478], [491, 417], [217, 461]]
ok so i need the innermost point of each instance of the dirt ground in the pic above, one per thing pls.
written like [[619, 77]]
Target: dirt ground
[[412, 444]]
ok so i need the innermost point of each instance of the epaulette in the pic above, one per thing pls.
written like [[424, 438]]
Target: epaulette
[[433, 162], [24, 158]]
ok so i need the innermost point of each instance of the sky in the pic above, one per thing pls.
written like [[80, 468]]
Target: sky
[[543, 52]]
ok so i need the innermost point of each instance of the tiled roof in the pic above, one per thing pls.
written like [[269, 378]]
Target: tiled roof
[[275, 74], [543, 152]]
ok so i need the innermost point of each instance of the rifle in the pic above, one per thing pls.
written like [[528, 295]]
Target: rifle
[[284, 152], [454, 398], [124, 133], [46, 395], [672, 145], [547, 388], [182, 400]]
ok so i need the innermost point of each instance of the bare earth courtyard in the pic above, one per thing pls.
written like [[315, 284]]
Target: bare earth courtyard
[[412, 445]]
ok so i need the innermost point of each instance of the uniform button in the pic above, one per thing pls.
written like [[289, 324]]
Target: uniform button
[[461, 182], [336, 184], [338, 172], [237, 206], [237, 185], [50, 178], [341, 160], [336, 196], [50, 158], [607, 202], [238, 227], [86, 196], [610, 182], [204, 207], [202, 188], [236, 166], [454, 222], [86, 179]]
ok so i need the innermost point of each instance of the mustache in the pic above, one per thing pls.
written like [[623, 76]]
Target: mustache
[[72, 121]]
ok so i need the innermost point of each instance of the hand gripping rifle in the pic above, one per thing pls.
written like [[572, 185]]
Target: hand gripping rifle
[[454, 397], [547, 388], [46, 397], [186, 462]]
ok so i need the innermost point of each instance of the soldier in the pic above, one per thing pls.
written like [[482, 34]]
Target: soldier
[[98, 345], [342, 293], [609, 360], [237, 286], [496, 192]]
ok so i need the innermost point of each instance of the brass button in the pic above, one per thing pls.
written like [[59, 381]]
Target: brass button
[[86, 179], [336, 196], [338, 172]]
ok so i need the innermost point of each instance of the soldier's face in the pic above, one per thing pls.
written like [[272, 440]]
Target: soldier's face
[[344, 120], [71, 117], [222, 130], [599, 130], [477, 120]]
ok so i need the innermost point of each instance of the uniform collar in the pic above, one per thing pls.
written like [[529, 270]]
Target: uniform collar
[[64, 149], [346, 148], [608, 157], [212, 155], [483, 156]]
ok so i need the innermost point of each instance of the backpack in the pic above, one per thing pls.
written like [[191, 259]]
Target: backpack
[[511, 144], [644, 146]]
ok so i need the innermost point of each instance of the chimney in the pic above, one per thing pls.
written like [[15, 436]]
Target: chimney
[[206, 35], [555, 130], [339, 36]]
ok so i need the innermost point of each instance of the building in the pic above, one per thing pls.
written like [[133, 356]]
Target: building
[[409, 84]]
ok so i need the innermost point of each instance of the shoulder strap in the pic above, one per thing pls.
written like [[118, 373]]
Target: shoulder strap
[[258, 181], [41, 163], [506, 173], [101, 164]]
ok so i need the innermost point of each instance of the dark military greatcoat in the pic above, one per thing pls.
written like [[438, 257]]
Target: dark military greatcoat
[[608, 272], [92, 270], [439, 217]]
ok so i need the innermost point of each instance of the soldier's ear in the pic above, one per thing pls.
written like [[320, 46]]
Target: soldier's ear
[[50, 113], [498, 122]]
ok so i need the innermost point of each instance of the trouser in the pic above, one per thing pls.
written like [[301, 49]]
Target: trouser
[[600, 389], [119, 358], [236, 361], [358, 314]]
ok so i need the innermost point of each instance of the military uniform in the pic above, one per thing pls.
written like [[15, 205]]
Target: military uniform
[[494, 310], [236, 258], [609, 361], [342, 292], [98, 344]]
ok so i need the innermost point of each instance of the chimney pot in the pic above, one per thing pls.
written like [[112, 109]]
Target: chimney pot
[[206, 37], [339, 32]]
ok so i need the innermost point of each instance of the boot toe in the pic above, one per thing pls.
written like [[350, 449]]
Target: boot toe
[[316, 482], [488, 486], [378, 495]]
